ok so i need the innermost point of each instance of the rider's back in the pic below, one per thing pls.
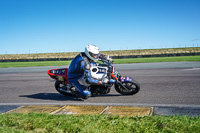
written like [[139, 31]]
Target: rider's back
[[76, 68]]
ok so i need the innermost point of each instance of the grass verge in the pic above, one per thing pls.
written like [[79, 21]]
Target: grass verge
[[47, 123], [116, 61], [32, 64], [111, 53], [157, 59]]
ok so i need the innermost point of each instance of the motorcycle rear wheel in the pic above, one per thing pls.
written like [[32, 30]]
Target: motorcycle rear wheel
[[59, 88], [133, 87]]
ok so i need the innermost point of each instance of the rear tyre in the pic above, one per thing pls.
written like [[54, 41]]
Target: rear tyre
[[133, 87], [61, 89]]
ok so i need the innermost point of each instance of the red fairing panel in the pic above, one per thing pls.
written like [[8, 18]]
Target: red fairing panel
[[59, 74]]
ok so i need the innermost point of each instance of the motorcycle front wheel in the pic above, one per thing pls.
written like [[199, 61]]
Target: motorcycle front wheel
[[132, 87]]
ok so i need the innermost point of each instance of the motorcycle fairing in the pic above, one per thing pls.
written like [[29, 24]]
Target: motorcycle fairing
[[59, 74], [98, 72], [125, 79]]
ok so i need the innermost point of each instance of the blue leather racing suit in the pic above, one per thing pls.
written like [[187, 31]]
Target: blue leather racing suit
[[79, 76]]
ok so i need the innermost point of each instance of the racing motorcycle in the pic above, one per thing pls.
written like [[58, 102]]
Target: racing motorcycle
[[104, 71]]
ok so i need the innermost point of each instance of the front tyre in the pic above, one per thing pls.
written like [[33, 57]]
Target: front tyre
[[132, 87]]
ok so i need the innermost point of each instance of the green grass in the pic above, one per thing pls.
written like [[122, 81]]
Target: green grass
[[46, 123], [116, 61], [36, 63], [157, 59]]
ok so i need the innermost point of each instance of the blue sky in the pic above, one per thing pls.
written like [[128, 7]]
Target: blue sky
[[46, 26]]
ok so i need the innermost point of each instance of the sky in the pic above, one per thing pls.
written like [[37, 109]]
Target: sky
[[51, 26]]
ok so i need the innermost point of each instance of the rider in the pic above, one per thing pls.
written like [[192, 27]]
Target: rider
[[79, 74]]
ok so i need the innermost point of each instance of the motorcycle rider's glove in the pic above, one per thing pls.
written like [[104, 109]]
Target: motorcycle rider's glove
[[109, 59], [99, 83], [104, 81], [106, 57]]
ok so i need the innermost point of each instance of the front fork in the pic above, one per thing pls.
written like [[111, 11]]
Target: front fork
[[121, 80]]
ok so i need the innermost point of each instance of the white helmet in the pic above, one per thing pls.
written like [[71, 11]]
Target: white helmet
[[92, 52]]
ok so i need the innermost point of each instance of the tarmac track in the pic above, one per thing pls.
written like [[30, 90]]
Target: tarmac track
[[173, 84]]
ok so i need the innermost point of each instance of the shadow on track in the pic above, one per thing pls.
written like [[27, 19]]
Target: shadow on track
[[51, 96], [59, 97], [107, 95]]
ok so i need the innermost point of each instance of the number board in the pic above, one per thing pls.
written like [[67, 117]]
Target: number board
[[60, 78], [101, 70]]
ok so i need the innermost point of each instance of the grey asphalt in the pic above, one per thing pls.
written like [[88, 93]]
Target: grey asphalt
[[168, 84]]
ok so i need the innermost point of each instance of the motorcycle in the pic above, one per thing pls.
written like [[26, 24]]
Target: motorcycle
[[105, 71]]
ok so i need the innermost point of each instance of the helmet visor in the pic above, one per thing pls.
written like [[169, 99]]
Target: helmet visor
[[96, 56]]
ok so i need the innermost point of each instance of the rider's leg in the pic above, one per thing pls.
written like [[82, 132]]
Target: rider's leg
[[84, 91]]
